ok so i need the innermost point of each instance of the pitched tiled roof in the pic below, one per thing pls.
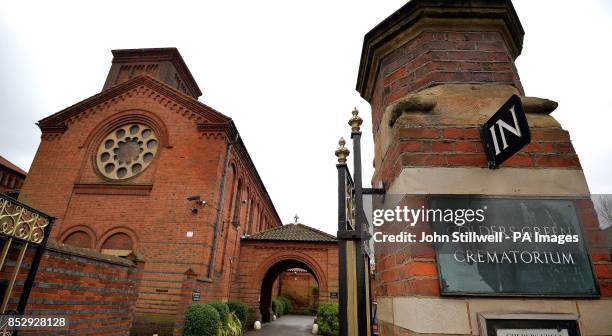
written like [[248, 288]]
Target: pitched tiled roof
[[8, 164], [293, 232]]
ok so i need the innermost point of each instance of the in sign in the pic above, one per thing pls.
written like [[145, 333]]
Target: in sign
[[506, 132]]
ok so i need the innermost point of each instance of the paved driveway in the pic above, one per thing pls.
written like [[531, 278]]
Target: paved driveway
[[289, 325]]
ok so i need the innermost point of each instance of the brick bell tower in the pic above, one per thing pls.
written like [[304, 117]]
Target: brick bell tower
[[433, 72]]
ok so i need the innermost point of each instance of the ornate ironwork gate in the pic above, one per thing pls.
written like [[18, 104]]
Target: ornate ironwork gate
[[21, 229], [355, 300]]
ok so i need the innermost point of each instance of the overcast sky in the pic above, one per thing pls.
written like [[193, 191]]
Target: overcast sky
[[285, 71]]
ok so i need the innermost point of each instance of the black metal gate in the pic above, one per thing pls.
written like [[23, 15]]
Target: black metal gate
[[355, 299], [22, 229]]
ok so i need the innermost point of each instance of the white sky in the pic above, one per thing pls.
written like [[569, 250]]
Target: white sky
[[285, 71]]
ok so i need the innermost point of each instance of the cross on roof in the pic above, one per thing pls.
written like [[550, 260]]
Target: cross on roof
[[296, 217]]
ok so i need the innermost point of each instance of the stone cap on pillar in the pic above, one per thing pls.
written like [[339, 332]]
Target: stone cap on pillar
[[163, 64], [441, 36]]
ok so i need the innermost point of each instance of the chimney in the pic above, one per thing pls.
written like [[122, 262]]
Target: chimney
[[431, 42], [163, 64]]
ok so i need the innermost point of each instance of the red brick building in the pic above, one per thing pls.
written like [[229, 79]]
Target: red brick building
[[144, 166], [11, 177]]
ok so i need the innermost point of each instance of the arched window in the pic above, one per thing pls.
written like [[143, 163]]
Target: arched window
[[79, 239], [118, 244], [250, 215], [246, 200], [256, 218], [237, 204], [229, 197]]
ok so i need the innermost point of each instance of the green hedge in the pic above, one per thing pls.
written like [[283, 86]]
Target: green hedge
[[278, 307], [201, 320], [327, 318], [287, 303], [241, 310], [222, 309]]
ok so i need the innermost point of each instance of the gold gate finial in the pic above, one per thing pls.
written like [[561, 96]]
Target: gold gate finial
[[342, 152], [356, 121]]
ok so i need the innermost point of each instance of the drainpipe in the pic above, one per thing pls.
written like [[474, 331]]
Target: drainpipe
[[213, 248]]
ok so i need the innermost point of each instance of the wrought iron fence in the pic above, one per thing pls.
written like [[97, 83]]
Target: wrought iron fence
[[21, 228]]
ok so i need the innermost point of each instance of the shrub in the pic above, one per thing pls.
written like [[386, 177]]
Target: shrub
[[315, 289], [233, 327], [240, 309], [327, 318], [201, 320], [222, 309], [278, 307], [287, 303]]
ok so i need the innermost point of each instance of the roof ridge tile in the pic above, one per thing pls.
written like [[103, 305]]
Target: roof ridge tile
[[293, 232]]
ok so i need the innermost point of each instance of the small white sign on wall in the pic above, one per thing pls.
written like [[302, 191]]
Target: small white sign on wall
[[189, 234]]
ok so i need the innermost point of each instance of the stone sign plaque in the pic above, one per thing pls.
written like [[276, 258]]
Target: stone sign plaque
[[532, 332], [528, 324], [535, 248]]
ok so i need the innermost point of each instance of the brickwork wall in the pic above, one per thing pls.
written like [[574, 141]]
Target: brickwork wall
[[407, 269], [96, 292], [299, 288], [189, 286], [451, 146], [10, 180], [599, 245], [442, 57]]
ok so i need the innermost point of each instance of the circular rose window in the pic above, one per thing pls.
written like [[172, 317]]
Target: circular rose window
[[126, 151]]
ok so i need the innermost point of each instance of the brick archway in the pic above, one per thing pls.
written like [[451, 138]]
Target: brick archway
[[276, 265], [264, 256], [265, 297]]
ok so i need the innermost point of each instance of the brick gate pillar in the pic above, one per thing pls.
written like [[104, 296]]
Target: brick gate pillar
[[433, 72], [188, 289]]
